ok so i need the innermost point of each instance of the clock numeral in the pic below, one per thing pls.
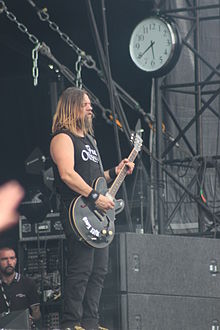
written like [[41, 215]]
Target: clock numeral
[[165, 52], [152, 26], [161, 59], [168, 42], [137, 45], [164, 33], [140, 37], [145, 29], [152, 63]]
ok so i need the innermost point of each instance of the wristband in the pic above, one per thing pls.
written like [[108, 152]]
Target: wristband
[[112, 173], [93, 196]]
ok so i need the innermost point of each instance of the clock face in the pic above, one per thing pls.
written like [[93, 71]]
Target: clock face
[[152, 44]]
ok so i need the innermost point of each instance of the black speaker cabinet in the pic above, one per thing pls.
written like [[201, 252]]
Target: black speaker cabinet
[[164, 265], [154, 312], [159, 312], [18, 320]]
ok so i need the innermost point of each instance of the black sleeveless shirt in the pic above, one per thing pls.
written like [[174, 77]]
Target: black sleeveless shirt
[[86, 165]]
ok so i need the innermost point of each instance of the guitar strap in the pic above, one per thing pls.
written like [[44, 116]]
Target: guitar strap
[[7, 301], [93, 142]]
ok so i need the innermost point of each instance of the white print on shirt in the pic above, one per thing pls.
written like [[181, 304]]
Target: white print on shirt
[[89, 154], [20, 295]]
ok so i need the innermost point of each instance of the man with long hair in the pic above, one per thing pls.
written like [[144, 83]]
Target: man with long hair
[[76, 165]]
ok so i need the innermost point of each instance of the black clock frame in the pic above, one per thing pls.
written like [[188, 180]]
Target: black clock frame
[[177, 46], [172, 61]]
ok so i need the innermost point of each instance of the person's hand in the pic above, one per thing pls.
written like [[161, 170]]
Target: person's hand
[[104, 203], [11, 194], [125, 162]]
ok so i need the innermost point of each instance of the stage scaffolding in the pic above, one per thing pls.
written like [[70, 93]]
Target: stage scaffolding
[[184, 184], [186, 103]]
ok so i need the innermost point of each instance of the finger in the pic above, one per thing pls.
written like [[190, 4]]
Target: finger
[[8, 220], [12, 194]]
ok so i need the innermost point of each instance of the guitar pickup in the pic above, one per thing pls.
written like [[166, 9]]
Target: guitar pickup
[[99, 216]]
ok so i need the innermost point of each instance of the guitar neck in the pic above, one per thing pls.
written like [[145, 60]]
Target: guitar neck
[[121, 175]]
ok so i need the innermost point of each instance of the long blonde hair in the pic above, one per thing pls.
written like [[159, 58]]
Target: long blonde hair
[[69, 114]]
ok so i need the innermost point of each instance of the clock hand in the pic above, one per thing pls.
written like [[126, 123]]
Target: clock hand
[[152, 48], [151, 45]]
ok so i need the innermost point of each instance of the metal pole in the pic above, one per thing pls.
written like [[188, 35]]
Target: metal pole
[[159, 172], [197, 73]]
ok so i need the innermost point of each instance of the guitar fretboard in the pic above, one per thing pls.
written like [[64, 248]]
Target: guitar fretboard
[[121, 175]]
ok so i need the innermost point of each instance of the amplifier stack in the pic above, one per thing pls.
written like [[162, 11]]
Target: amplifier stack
[[159, 282], [50, 228], [41, 257]]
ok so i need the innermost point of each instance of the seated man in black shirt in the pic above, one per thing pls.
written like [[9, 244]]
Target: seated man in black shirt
[[16, 291]]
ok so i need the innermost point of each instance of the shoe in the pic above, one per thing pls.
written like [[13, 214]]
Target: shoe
[[99, 328], [76, 327]]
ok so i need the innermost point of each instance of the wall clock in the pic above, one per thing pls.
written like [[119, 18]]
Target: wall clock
[[155, 45]]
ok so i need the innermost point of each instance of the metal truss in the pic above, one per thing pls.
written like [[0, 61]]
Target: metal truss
[[194, 156]]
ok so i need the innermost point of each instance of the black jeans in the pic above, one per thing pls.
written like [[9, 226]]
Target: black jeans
[[86, 271]]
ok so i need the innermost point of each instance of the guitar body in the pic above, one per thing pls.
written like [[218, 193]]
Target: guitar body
[[90, 225]]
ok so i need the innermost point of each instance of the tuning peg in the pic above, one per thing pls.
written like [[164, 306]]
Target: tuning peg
[[132, 136]]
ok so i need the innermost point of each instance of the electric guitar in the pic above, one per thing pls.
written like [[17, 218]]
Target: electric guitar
[[92, 226]]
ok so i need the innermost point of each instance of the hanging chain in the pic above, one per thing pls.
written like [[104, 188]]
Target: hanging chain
[[87, 60], [2, 7], [31, 37], [35, 71], [78, 68], [83, 58], [44, 16], [20, 26]]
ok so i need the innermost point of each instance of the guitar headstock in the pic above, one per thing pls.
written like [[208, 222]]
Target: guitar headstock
[[136, 141]]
